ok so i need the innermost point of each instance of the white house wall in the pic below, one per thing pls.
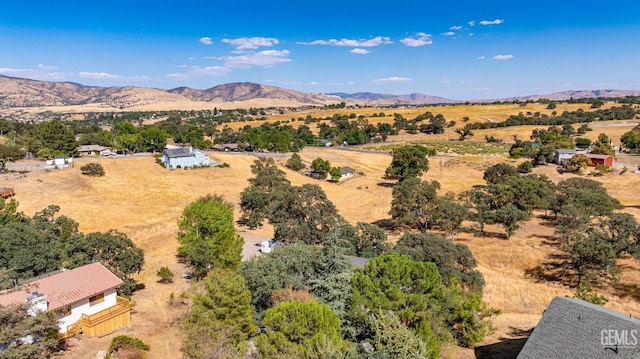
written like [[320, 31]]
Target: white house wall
[[83, 307]]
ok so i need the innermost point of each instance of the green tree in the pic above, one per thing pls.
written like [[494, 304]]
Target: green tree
[[295, 162], [116, 251], [464, 132], [591, 256], [254, 205], [631, 139], [255, 199], [303, 213], [321, 166], [327, 274], [510, 217], [16, 323], [586, 195], [153, 139], [392, 339], [165, 274], [451, 258], [364, 240], [302, 330], [499, 173], [413, 203], [207, 237], [53, 135], [480, 201], [9, 153], [409, 162], [577, 163], [220, 320], [335, 173], [603, 146], [395, 283], [449, 214], [268, 176]]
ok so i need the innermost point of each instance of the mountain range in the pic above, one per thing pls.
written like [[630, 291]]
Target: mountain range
[[27, 94]]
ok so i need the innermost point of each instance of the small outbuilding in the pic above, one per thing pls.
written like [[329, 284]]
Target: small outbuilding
[[562, 155], [598, 160], [347, 172]]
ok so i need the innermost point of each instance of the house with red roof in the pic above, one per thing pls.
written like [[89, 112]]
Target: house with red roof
[[598, 159], [85, 298]]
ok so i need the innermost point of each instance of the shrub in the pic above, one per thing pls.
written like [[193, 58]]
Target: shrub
[[125, 341], [525, 167], [92, 169], [165, 274]]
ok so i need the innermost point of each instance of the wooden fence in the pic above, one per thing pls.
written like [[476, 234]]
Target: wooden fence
[[104, 321]]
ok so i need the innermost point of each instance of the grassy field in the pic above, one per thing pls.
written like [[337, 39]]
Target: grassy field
[[144, 200]]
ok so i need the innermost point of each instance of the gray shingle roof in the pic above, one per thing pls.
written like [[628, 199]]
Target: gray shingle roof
[[573, 328], [178, 152]]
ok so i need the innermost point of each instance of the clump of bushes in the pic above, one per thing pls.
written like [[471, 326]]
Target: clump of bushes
[[123, 341], [92, 169]]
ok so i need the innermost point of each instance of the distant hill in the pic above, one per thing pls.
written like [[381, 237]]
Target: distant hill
[[20, 93], [414, 98], [243, 91], [566, 95]]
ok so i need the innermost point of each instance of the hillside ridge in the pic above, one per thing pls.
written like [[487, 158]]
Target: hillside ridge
[[28, 93]]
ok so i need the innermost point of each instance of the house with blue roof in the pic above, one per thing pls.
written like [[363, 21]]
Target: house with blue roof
[[184, 157]]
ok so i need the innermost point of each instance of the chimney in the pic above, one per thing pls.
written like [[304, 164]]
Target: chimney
[[37, 302]]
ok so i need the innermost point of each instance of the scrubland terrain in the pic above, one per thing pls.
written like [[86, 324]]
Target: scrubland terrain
[[145, 200]]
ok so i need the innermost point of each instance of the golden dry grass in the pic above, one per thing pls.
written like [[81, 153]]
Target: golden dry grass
[[144, 200]]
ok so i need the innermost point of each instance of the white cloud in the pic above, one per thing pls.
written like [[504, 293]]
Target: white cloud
[[359, 51], [421, 39], [210, 70], [182, 66], [502, 57], [46, 68], [393, 79], [449, 33], [480, 57], [98, 75], [472, 23], [206, 40], [455, 28], [37, 74], [445, 80], [491, 22], [267, 58], [251, 43], [177, 76], [373, 42]]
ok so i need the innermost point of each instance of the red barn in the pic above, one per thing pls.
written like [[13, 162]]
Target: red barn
[[600, 159]]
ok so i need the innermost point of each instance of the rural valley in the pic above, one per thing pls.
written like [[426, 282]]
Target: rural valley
[[523, 264]]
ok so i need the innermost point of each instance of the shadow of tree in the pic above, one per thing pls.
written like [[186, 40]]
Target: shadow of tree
[[386, 223], [628, 291], [386, 184], [507, 348], [551, 269]]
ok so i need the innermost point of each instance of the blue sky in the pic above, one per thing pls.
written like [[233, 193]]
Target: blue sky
[[460, 50]]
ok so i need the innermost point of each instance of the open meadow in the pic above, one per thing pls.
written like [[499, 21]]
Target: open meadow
[[144, 200]]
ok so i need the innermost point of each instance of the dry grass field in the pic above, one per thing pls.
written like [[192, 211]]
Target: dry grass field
[[144, 200]]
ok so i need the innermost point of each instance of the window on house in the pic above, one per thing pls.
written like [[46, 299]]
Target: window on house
[[64, 311], [96, 299]]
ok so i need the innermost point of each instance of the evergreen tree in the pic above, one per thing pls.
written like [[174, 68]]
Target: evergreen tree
[[220, 321]]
